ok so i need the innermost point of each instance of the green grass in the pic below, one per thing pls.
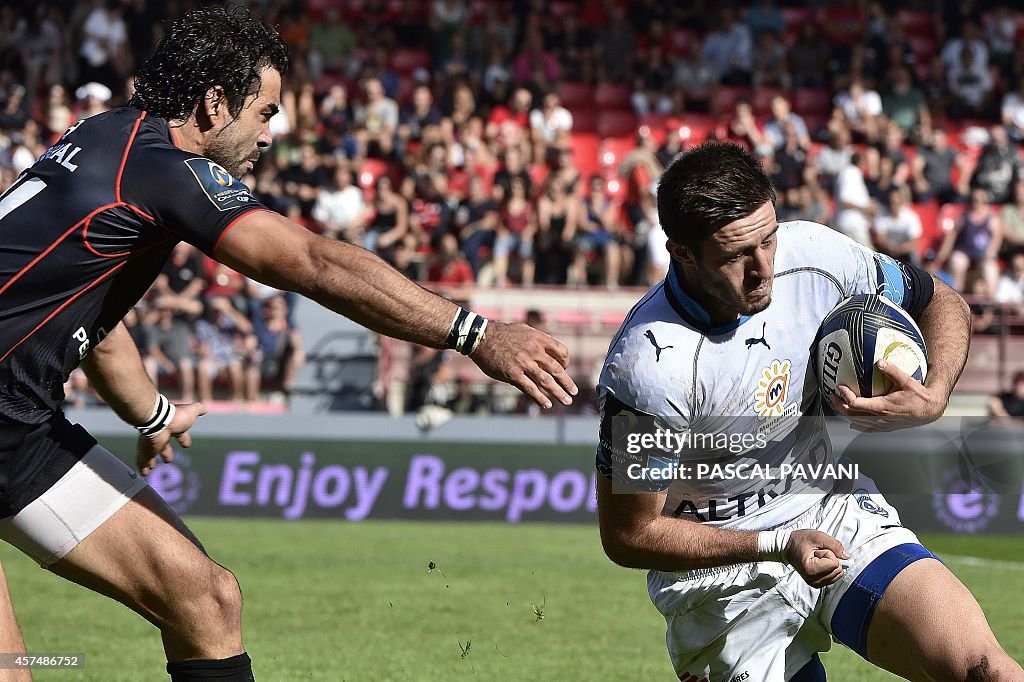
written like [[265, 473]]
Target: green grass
[[340, 601]]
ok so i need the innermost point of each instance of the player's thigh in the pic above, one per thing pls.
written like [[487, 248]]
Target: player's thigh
[[929, 626], [145, 557]]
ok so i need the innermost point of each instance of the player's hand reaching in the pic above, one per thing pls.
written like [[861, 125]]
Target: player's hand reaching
[[908, 403], [149, 448], [815, 556], [529, 359]]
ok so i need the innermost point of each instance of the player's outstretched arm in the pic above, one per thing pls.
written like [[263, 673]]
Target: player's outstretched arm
[[116, 372], [636, 535], [946, 327], [357, 284]]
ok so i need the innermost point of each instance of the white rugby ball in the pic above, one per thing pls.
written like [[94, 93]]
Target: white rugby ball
[[859, 332]]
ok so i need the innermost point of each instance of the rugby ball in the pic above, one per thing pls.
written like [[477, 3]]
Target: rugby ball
[[859, 332]]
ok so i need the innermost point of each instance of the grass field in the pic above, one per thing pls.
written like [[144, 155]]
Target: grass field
[[339, 601]]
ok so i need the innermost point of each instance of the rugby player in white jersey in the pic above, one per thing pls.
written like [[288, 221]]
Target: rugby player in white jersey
[[756, 576]]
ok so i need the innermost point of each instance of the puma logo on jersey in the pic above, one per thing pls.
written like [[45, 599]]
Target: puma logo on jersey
[[654, 342], [753, 342]]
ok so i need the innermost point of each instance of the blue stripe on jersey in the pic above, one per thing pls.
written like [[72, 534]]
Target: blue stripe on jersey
[[693, 310], [890, 279], [814, 671], [853, 615]]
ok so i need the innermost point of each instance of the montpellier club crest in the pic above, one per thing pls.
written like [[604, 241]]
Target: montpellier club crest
[[772, 388]]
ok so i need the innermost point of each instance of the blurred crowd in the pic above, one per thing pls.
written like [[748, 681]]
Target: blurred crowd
[[520, 141]]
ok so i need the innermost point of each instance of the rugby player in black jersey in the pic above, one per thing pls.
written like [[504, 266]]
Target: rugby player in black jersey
[[85, 232]]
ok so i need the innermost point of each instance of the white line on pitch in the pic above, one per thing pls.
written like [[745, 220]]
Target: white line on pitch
[[978, 561]]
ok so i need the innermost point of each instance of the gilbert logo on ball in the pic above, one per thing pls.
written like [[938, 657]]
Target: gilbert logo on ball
[[859, 332]]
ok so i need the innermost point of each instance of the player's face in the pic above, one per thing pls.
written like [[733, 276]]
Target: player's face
[[238, 141], [734, 268]]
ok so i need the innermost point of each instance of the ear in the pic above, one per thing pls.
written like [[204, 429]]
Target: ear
[[681, 253], [215, 104]]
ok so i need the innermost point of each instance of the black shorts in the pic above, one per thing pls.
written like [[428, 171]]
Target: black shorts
[[33, 457]]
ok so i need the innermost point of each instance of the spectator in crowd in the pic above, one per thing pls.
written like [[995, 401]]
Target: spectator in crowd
[[280, 353], [1012, 112], [744, 128], [764, 15], [973, 243], [905, 105], [769, 62], [729, 47], [897, 230], [557, 215], [1011, 284], [390, 222], [421, 113], [998, 167], [226, 350], [37, 41], [833, 157], [970, 85], [516, 231], [1009, 405], [513, 168], [1011, 217], [695, 79], [303, 181], [476, 221], [448, 265], [596, 236], [782, 113], [550, 125], [1001, 36], [808, 58], [340, 211], [969, 42], [332, 45], [859, 108], [57, 114], [103, 55], [92, 99], [854, 208], [378, 118], [932, 171], [169, 353]]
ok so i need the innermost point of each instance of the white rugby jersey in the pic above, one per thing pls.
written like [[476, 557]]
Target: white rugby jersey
[[752, 380]]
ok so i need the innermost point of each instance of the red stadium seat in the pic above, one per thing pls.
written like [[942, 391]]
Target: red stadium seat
[[612, 96], [796, 17], [812, 102], [584, 120], [728, 96], [370, 172], [613, 149], [762, 100], [695, 128], [584, 152], [576, 95], [572, 318], [917, 23], [616, 123], [404, 62], [948, 215], [923, 48], [931, 232]]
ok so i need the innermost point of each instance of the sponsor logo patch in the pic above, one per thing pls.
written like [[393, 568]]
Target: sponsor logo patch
[[223, 190]]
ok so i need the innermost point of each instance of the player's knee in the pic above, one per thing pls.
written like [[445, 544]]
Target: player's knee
[[224, 594], [993, 665]]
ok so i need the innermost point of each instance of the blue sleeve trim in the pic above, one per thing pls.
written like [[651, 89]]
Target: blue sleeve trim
[[890, 279], [813, 671], [853, 615], [909, 287]]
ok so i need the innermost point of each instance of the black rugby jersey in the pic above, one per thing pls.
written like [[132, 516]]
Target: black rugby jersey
[[84, 233]]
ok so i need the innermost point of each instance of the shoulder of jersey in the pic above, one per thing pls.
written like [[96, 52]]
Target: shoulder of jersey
[[806, 244], [651, 358]]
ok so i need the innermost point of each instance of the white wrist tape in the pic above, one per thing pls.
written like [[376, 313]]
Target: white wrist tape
[[467, 331], [159, 419], [771, 545]]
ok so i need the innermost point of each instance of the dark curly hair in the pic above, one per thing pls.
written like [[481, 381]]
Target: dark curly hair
[[204, 48]]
